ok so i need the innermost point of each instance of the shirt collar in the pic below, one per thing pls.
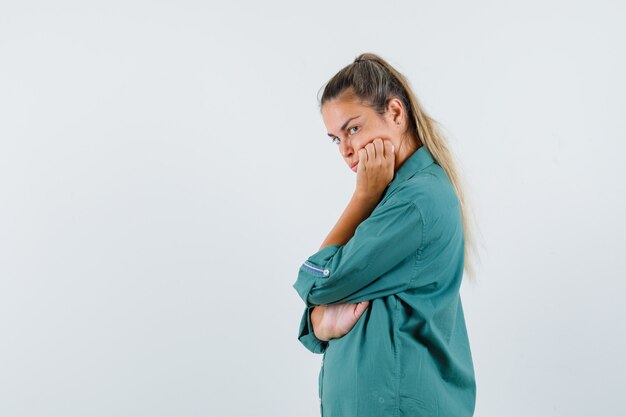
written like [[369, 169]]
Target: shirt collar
[[418, 160]]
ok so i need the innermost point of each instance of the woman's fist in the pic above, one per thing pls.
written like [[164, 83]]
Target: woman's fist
[[376, 168]]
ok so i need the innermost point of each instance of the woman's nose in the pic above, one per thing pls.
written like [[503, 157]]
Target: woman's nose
[[345, 148]]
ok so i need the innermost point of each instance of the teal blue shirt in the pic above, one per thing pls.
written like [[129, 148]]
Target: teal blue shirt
[[409, 353]]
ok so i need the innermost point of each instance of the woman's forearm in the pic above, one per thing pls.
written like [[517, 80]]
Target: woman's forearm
[[359, 208]]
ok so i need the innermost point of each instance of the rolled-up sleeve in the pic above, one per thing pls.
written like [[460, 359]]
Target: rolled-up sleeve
[[358, 270]]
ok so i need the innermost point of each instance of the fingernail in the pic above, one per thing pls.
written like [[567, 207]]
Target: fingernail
[[393, 148]]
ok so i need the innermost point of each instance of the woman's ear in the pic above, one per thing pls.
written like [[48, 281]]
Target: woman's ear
[[395, 111]]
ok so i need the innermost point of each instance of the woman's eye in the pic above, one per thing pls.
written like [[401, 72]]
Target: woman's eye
[[335, 140], [353, 127]]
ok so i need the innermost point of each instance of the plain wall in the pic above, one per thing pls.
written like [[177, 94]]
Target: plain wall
[[164, 170]]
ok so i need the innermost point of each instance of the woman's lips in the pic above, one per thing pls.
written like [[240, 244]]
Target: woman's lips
[[354, 167]]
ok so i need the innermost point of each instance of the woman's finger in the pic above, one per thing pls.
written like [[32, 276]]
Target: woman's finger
[[379, 147], [362, 157], [360, 308], [371, 152], [389, 149]]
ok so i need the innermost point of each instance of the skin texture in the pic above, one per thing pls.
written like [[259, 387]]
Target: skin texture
[[380, 146]]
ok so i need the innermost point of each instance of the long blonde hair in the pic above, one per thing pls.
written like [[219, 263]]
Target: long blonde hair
[[374, 81]]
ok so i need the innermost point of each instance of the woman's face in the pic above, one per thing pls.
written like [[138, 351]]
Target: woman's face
[[352, 126]]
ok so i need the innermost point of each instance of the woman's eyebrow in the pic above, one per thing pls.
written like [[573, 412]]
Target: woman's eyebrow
[[344, 125]]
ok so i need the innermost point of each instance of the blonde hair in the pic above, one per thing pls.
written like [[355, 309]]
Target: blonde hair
[[374, 81]]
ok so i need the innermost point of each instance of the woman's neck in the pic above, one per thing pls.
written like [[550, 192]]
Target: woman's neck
[[408, 146]]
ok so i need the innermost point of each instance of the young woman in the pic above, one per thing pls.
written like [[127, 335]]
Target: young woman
[[382, 292]]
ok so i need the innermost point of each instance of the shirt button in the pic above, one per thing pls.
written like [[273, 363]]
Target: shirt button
[[326, 272]]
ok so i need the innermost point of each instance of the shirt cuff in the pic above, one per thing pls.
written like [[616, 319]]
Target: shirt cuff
[[313, 269]]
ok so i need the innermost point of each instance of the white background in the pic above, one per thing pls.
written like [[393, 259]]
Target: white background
[[164, 170]]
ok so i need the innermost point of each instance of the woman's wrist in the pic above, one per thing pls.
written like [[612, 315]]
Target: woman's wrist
[[366, 199]]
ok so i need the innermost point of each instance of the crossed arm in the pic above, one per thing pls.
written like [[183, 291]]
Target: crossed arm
[[377, 161], [338, 276], [358, 209]]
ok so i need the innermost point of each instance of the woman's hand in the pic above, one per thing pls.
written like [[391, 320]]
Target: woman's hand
[[376, 168], [335, 320]]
